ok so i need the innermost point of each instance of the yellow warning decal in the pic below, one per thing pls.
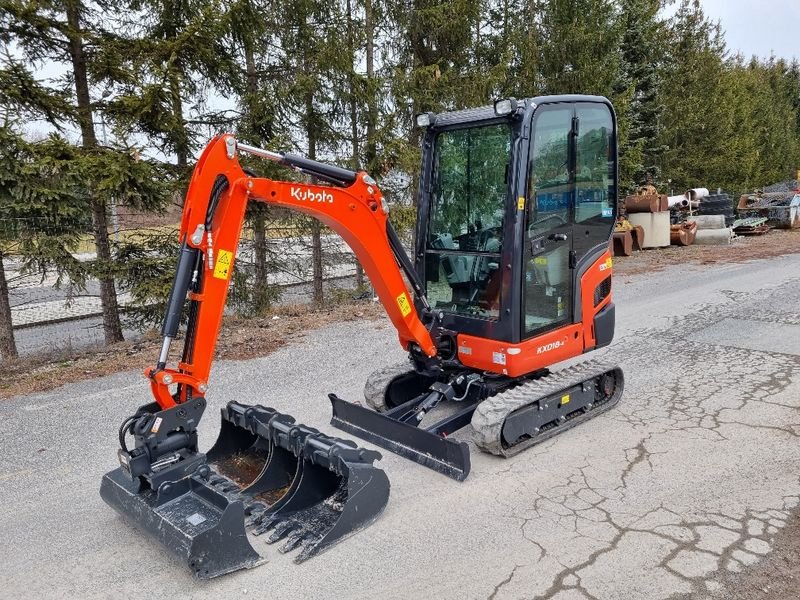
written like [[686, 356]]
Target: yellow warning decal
[[564, 399], [404, 304], [540, 260], [222, 269], [521, 203]]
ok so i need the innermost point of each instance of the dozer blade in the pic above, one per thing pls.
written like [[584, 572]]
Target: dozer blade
[[265, 472], [429, 447]]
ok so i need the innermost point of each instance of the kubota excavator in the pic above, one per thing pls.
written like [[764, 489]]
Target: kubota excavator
[[511, 274]]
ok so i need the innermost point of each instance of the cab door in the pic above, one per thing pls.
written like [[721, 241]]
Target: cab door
[[547, 260], [571, 208]]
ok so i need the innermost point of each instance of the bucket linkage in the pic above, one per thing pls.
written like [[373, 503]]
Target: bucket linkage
[[265, 473]]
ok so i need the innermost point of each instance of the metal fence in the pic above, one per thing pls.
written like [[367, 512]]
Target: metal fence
[[52, 311]]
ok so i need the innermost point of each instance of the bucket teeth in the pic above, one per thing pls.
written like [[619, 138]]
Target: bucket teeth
[[293, 542], [281, 531], [327, 488]]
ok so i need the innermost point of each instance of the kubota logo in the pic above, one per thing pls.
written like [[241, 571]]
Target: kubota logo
[[550, 346], [309, 196]]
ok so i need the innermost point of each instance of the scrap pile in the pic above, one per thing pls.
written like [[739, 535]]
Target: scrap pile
[[778, 204], [683, 234], [646, 224], [712, 230], [751, 226], [652, 220], [717, 204]]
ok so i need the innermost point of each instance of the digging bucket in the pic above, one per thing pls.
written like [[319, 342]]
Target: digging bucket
[[265, 473], [334, 490]]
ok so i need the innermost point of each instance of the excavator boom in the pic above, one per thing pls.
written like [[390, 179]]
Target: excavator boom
[[309, 489], [352, 206]]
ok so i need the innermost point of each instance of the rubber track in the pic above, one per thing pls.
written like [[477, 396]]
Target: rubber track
[[491, 413], [378, 381]]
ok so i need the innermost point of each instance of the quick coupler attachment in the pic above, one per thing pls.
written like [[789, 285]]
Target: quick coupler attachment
[[313, 490], [264, 474]]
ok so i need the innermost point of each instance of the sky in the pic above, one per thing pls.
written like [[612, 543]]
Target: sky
[[760, 27]]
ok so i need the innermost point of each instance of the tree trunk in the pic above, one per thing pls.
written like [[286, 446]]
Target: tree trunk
[[262, 296], [112, 327], [370, 152], [8, 347], [318, 294], [353, 117], [181, 137], [257, 210], [316, 262]]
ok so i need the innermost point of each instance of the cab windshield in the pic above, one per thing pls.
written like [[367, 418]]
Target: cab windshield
[[465, 231]]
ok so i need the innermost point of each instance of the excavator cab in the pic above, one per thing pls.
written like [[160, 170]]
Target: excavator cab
[[513, 208], [516, 206]]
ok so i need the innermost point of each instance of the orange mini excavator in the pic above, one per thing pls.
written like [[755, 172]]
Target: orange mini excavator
[[510, 275]]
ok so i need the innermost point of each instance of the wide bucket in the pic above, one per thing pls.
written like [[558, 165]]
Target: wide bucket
[[264, 473]]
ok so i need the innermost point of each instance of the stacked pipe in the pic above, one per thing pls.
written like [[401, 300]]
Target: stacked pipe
[[712, 231]]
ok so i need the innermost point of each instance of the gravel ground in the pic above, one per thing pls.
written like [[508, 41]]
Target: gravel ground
[[692, 477]]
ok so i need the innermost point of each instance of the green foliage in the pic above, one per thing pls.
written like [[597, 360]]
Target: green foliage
[[146, 268], [41, 216], [342, 80], [638, 91]]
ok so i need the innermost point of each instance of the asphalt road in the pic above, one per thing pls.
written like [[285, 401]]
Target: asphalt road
[[689, 477]]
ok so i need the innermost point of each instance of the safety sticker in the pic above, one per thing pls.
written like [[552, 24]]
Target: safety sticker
[[156, 425], [521, 203], [222, 269], [540, 260], [564, 399], [404, 304]]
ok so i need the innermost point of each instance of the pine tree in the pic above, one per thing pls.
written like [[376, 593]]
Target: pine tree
[[312, 60], [641, 50], [579, 47], [42, 215], [72, 34], [173, 52], [249, 23], [694, 126]]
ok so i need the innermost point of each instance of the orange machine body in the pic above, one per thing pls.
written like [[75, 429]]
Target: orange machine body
[[357, 213], [541, 351]]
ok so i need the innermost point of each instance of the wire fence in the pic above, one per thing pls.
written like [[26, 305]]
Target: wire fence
[[50, 271]]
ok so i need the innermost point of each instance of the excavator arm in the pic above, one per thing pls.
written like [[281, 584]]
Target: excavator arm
[[214, 210]]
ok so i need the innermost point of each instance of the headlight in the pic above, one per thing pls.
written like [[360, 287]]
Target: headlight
[[425, 119]]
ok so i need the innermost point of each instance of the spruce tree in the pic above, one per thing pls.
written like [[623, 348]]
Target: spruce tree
[[641, 49]]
